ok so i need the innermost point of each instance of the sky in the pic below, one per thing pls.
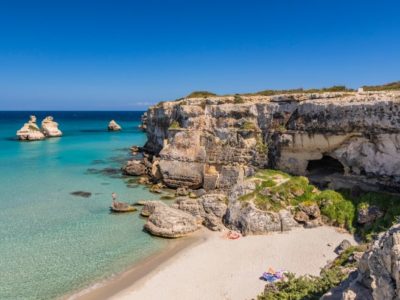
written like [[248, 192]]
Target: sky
[[127, 55]]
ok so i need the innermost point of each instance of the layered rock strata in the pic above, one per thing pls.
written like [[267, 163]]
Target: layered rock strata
[[337, 139]]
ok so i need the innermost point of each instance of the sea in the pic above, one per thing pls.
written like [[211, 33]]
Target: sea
[[52, 242]]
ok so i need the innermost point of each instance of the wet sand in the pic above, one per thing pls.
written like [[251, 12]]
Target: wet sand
[[114, 285]]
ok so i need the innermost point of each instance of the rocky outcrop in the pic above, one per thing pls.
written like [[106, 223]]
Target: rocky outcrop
[[340, 139], [113, 126], [143, 123], [208, 210], [245, 217], [30, 131], [169, 222], [134, 168], [377, 276], [50, 127]]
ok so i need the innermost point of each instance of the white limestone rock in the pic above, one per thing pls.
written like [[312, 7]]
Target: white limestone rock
[[30, 131], [114, 126], [50, 127]]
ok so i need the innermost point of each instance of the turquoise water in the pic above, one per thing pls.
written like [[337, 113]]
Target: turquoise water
[[51, 242]]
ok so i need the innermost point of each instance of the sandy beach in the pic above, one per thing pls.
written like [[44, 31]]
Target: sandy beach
[[217, 268]]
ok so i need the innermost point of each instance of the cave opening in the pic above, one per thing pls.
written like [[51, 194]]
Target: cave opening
[[325, 166]]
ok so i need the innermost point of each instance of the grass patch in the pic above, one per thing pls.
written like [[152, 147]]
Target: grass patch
[[335, 88], [200, 94], [248, 126], [174, 125], [237, 99], [384, 87], [340, 211]]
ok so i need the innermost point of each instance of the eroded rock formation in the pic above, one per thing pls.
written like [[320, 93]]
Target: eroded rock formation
[[114, 126], [30, 131], [340, 139], [50, 127]]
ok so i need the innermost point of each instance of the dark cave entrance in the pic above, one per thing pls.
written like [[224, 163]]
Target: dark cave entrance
[[325, 166]]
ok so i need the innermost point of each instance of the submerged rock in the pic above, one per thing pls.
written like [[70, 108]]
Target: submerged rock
[[113, 126], [169, 222], [30, 131], [82, 194], [50, 127]]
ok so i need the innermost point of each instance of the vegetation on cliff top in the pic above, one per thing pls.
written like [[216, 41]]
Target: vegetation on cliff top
[[200, 94], [336, 88], [384, 87]]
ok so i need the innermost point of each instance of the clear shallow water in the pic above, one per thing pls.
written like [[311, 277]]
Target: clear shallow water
[[52, 243]]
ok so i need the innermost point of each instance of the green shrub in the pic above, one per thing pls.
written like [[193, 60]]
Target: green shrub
[[174, 125], [305, 287], [384, 87], [248, 126], [238, 100], [313, 287], [335, 88], [200, 94], [336, 208]]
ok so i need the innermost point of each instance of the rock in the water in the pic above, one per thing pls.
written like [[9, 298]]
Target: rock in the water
[[50, 127], [82, 194], [30, 131], [181, 191], [366, 215], [113, 126], [170, 222], [134, 168], [156, 188]]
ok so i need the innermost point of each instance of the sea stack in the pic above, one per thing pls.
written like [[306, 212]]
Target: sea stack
[[50, 127], [113, 126], [30, 131]]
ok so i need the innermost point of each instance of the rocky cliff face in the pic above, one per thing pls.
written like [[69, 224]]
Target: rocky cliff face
[[339, 139], [377, 275]]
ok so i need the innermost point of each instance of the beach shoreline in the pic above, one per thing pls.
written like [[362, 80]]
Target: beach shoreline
[[136, 273], [221, 268]]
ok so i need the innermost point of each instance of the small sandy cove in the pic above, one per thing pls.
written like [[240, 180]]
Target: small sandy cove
[[217, 268]]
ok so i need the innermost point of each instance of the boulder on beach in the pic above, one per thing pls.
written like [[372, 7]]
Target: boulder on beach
[[50, 127], [114, 126], [169, 222], [30, 131]]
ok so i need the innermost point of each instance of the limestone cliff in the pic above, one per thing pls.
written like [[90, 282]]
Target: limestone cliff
[[339, 139]]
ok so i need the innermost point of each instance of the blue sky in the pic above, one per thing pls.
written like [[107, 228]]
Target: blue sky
[[126, 55]]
